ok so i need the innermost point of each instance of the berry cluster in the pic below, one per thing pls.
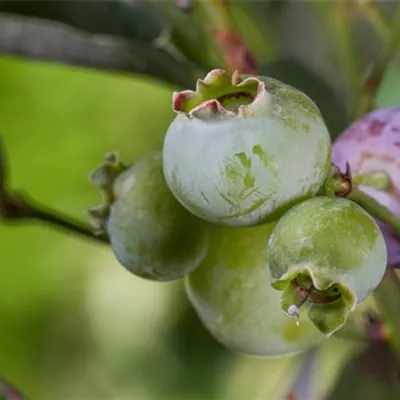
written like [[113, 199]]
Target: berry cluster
[[245, 205]]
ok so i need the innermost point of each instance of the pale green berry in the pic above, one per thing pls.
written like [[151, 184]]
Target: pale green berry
[[232, 296], [329, 254], [242, 150], [151, 234]]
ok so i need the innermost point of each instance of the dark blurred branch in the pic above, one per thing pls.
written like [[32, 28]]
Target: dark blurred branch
[[130, 19], [54, 41]]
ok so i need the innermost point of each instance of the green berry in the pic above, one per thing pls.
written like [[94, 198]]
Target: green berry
[[151, 234], [242, 150], [232, 296], [329, 254]]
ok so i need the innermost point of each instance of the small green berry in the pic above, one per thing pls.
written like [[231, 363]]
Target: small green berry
[[329, 254], [151, 234]]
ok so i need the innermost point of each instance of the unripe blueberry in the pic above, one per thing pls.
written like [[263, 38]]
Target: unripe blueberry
[[232, 296], [151, 234], [241, 150], [329, 253], [372, 144]]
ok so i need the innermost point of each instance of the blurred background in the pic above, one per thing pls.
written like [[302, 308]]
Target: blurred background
[[78, 79]]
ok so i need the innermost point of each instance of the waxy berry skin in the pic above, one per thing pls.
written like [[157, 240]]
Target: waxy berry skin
[[242, 150], [233, 298], [151, 234], [372, 144], [333, 245]]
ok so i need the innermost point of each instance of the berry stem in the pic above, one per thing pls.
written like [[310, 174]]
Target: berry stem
[[378, 180], [376, 209], [15, 207]]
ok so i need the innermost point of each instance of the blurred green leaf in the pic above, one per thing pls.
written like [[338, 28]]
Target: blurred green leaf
[[388, 93], [57, 122], [253, 26], [192, 43], [373, 374], [387, 297], [269, 7], [322, 366], [295, 73], [3, 167], [9, 391], [197, 353]]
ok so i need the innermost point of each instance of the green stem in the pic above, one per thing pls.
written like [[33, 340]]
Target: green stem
[[376, 18], [377, 71], [376, 209], [387, 299], [17, 208], [337, 15], [379, 180], [387, 294]]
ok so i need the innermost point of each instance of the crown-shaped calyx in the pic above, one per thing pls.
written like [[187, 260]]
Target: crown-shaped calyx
[[221, 94], [326, 302], [104, 177]]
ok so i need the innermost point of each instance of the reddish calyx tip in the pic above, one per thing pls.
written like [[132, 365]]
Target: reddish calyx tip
[[214, 92], [179, 98], [209, 107]]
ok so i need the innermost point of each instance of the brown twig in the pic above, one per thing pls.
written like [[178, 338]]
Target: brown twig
[[222, 31]]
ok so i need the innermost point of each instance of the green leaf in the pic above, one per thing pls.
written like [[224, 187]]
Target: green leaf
[[271, 9], [3, 168], [373, 374], [57, 122], [321, 367], [254, 28], [297, 74], [9, 392], [387, 297], [388, 93], [193, 43]]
